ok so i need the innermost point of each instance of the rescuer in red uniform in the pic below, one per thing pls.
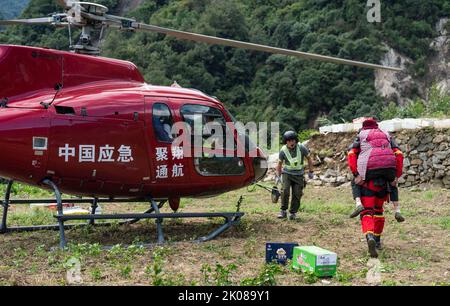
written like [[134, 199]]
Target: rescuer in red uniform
[[376, 163]]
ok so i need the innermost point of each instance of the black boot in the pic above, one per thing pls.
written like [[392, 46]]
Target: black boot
[[359, 209], [399, 217], [282, 215], [371, 243], [378, 242]]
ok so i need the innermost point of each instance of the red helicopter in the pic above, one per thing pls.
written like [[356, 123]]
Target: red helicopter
[[90, 126]]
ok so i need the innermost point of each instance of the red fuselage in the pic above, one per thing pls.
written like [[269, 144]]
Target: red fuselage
[[97, 136]]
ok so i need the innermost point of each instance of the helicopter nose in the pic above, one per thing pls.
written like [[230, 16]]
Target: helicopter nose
[[260, 165]]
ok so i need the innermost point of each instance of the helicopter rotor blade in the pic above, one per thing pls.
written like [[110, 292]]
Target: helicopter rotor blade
[[31, 21], [251, 46]]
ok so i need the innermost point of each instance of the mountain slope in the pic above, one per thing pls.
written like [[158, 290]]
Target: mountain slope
[[12, 8], [258, 86]]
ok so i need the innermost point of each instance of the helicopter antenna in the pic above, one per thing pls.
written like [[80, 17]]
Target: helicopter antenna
[[93, 20]]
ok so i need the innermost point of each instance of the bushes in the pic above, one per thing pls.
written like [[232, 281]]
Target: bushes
[[438, 105]]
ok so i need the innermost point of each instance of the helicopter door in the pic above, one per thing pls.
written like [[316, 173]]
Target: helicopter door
[[213, 145], [168, 163]]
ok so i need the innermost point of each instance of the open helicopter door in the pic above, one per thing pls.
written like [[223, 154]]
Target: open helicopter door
[[215, 163]]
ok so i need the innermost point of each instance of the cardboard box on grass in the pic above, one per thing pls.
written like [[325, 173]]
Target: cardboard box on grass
[[319, 261], [279, 252]]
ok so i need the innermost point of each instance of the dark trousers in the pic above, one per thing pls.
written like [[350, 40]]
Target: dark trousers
[[296, 183], [385, 175]]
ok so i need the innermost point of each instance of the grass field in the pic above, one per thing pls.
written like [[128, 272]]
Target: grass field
[[416, 252]]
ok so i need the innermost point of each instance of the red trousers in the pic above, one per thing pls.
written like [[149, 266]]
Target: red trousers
[[373, 198]]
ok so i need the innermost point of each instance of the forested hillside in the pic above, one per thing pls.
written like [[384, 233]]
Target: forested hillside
[[12, 8], [258, 86]]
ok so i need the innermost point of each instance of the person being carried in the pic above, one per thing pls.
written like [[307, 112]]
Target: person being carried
[[379, 156], [292, 155], [376, 163]]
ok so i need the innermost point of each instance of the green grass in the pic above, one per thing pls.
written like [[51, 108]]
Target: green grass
[[443, 222], [235, 257], [25, 191], [35, 216], [323, 206]]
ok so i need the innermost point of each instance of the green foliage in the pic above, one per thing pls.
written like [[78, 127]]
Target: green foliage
[[36, 216], [266, 277], [444, 223], [156, 270], [438, 102], [257, 86], [310, 277], [307, 134], [12, 8], [438, 105], [220, 276], [25, 191], [84, 249], [96, 274]]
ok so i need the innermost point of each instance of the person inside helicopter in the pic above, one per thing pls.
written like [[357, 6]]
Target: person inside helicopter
[[162, 123]]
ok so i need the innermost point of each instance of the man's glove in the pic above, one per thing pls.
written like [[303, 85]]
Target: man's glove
[[277, 180], [310, 175]]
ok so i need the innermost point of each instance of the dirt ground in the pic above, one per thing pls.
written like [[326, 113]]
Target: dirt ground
[[416, 252]]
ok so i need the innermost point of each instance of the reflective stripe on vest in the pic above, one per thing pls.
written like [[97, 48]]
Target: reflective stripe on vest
[[294, 163]]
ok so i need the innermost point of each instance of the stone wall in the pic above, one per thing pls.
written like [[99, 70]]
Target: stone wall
[[426, 152]]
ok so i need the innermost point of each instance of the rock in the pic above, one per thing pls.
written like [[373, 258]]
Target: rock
[[422, 148], [426, 139], [330, 173], [341, 179], [348, 184], [406, 162], [404, 148], [443, 146], [330, 180], [439, 138], [328, 160], [438, 167], [446, 179], [435, 160], [423, 156], [401, 180], [439, 174], [414, 141], [317, 183], [411, 172], [442, 154], [416, 162]]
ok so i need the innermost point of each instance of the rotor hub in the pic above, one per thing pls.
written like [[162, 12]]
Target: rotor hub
[[93, 8]]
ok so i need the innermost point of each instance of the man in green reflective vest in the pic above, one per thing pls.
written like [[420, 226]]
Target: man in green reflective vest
[[292, 155]]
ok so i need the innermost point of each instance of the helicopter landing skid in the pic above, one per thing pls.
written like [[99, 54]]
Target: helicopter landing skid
[[231, 218]]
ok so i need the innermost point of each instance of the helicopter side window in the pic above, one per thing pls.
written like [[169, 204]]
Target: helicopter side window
[[162, 122], [202, 120]]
